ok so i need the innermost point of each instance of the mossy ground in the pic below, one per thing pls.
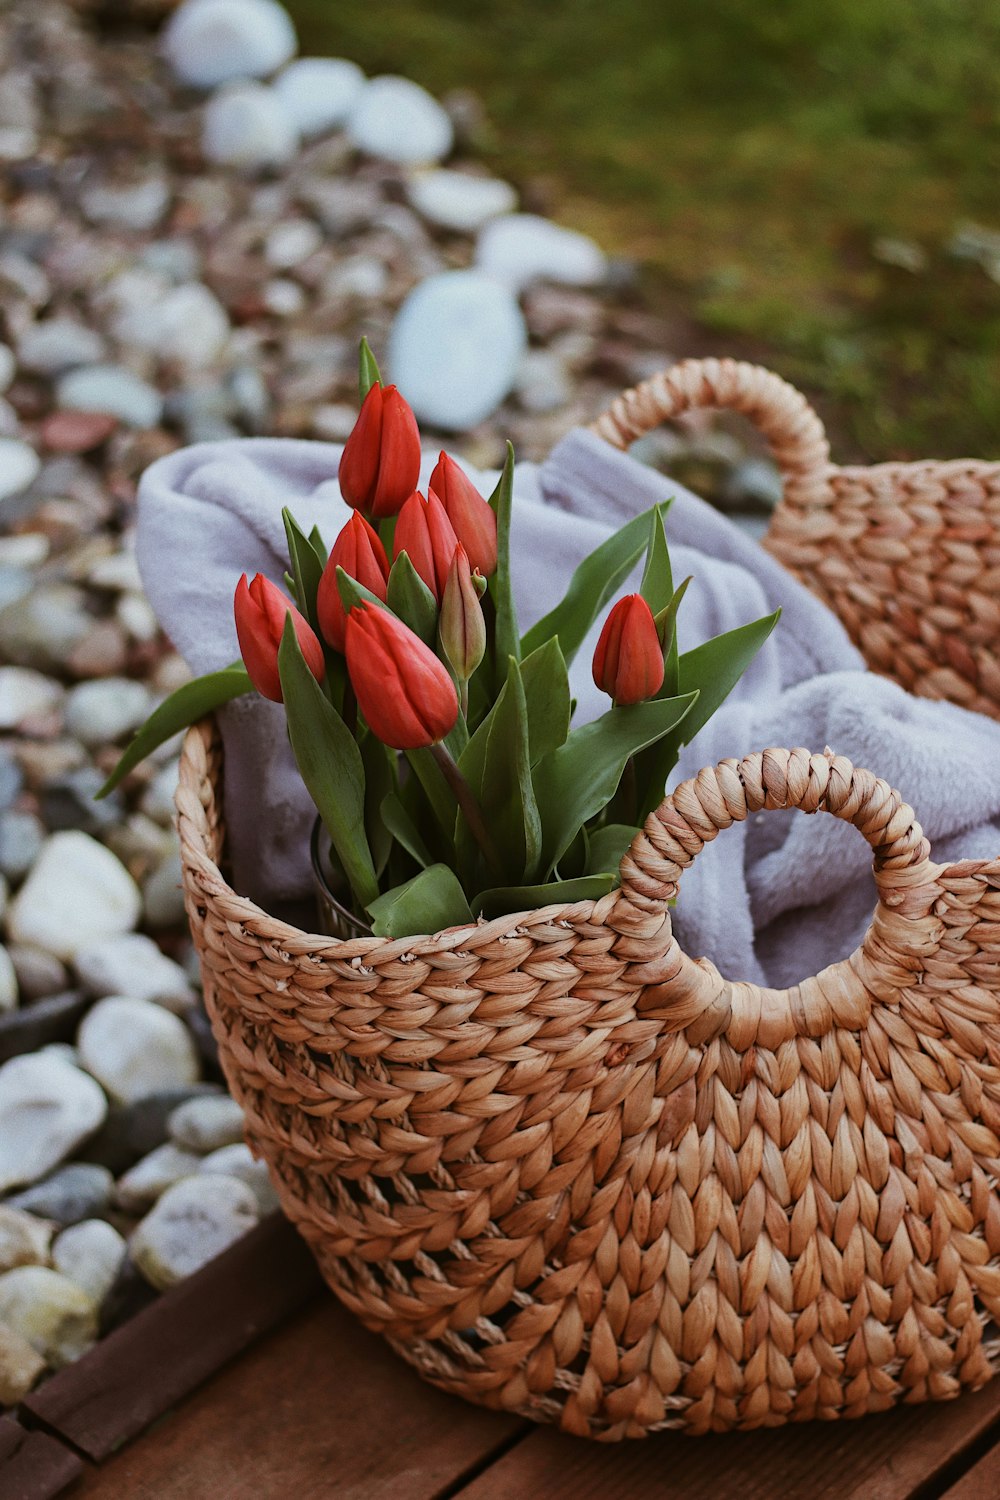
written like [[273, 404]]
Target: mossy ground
[[750, 157]]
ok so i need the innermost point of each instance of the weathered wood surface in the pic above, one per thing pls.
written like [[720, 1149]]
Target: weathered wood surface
[[33, 1466]]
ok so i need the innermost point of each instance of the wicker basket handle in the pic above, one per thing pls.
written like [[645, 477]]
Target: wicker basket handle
[[782, 414], [903, 930]]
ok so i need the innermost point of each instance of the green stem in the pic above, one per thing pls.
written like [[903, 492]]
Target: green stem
[[463, 697], [469, 807]]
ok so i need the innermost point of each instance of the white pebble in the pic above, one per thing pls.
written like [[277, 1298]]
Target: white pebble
[[149, 1178], [192, 1223], [111, 389], [459, 201], [57, 1317], [246, 125], [207, 1123], [8, 982], [8, 366], [24, 1240], [25, 694], [237, 1161], [519, 249], [319, 92], [188, 324], [133, 965], [90, 1254], [76, 893], [106, 708], [396, 119], [58, 344], [135, 1048], [292, 242], [208, 42], [47, 1108], [19, 466]]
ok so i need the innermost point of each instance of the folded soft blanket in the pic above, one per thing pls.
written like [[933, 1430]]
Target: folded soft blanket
[[771, 900]]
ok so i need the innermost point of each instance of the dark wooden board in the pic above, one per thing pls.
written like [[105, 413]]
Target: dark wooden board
[[889, 1457], [320, 1410], [167, 1350], [982, 1482], [33, 1465]]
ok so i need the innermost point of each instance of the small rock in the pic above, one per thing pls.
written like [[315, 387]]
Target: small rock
[[38, 973], [283, 298], [134, 1130], [77, 893], [149, 1179], [28, 549], [118, 572], [356, 277], [47, 1107], [76, 431], [20, 1366], [207, 1123], [54, 1315], [521, 248], [77, 1191], [26, 694], [542, 382], [455, 348], [319, 92], [103, 711], [8, 366], [138, 205], [41, 630], [192, 1223], [11, 779], [24, 1240], [69, 801], [22, 836], [458, 201], [292, 242], [56, 345], [19, 467], [163, 895], [208, 42], [396, 119], [158, 798], [187, 324], [135, 1047], [112, 390], [8, 982], [90, 1254], [247, 125], [102, 652], [237, 1161], [132, 965]]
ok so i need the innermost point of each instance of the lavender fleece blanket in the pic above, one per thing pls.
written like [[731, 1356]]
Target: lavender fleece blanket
[[773, 899]]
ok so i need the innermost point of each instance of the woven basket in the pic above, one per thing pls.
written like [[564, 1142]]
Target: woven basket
[[570, 1172]]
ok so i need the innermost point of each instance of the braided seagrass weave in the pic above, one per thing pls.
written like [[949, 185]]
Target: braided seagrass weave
[[570, 1172]]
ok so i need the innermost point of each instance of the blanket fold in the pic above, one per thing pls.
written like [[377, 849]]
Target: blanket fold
[[771, 900]]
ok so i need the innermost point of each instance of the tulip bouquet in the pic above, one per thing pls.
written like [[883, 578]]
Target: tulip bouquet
[[435, 739]]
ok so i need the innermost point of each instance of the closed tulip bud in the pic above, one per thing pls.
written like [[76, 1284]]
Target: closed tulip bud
[[380, 464], [471, 516], [403, 690], [628, 662], [425, 534], [461, 627], [360, 553], [261, 610]]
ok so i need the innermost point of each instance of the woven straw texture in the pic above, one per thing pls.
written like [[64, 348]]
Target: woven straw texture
[[570, 1172]]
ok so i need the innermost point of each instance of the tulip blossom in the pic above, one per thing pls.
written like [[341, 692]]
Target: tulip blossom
[[403, 690], [380, 464], [471, 516], [461, 627], [261, 610], [628, 662], [425, 534], [360, 553]]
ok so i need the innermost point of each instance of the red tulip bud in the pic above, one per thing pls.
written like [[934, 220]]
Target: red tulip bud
[[472, 517], [424, 532], [628, 662], [462, 628], [360, 553], [261, 610], [380, 464], [402, 689]]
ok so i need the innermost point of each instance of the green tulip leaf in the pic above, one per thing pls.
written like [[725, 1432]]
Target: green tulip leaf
[[546, 692], [185, 706], [666, 624], [503, 900], [425, 905], [404, 830], [596, 579], [411, 599], [380, 780], [368, 371], [318, 545], [353, 593], [330, 765], [577, 781], [307, 567], [607, 846], [436, 794], [506, 638], [657, 585], [501, 784]]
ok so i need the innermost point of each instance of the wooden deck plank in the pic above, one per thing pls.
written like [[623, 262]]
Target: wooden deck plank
[[320, 1408], [982, 1482], [34, 1466], [145, 1367], [888, 1457]]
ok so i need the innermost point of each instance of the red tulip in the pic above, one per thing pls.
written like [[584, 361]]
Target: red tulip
[[402, 689], [360, 553], [261, 610], [380, 464], [462, 628], [472, 517], [424, 532], [628, 662]]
